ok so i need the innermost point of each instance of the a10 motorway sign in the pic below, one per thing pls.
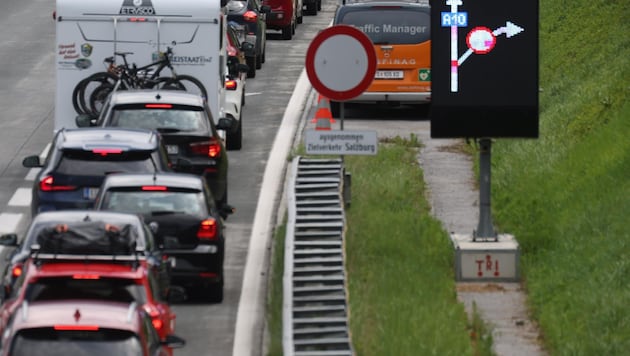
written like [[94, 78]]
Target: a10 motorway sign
[[484, 60]]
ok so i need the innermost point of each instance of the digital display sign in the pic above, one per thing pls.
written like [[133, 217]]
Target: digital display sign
[[484, 68]]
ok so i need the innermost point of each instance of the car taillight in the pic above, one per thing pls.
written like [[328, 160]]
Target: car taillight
[[231, 51], [250, 16], [47, 184], [159, 188], [211, 149], [107, 151], [155, 317], [231, 84], [207, 229], [17, 270], [158, 106], [76, 327], [86, 276]]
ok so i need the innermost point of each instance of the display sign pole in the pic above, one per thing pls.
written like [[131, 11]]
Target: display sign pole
[[485, 230]]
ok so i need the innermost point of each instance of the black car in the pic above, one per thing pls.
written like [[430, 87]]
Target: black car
[[249, 18], [189, 225], [77, 232], [186, 124], [79, 159]]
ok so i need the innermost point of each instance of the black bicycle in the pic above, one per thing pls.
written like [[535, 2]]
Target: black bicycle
[[90, 93]]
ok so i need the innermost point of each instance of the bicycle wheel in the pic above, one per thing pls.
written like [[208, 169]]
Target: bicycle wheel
[[78, 90], [98, 98], [88, 85], [183, 82]]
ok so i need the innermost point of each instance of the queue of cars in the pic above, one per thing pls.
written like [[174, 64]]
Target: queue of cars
[[128, 216]]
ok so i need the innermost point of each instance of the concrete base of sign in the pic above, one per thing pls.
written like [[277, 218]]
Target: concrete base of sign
[[486, 260]]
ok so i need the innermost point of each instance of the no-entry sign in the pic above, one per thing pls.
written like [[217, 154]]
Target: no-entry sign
[[341, 62]]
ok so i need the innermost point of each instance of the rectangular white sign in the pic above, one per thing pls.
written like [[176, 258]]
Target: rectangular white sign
[[336, 142]]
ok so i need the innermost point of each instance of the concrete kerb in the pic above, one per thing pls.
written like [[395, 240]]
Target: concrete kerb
[[250, 315]]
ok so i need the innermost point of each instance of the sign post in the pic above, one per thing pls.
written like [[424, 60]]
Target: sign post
[[484, 64], [341, 63]]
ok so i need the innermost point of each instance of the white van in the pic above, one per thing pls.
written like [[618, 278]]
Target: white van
[[89, 31]]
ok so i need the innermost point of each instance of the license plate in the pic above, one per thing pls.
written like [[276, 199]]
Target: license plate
[[389, 74], [90, 193], [172, 149]]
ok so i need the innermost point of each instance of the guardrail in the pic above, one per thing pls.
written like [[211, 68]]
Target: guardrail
[[315, 308]]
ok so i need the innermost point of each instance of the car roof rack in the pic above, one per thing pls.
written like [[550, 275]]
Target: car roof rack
[[39, 258]]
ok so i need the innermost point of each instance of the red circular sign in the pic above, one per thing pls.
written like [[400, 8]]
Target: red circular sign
[[341, 62]]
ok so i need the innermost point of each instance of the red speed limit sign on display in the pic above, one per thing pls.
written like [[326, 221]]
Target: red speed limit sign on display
[[340, 62]]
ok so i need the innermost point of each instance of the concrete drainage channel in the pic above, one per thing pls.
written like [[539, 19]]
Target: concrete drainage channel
[[315, 312]]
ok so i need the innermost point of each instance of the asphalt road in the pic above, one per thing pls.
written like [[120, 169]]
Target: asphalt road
[[27, 74]]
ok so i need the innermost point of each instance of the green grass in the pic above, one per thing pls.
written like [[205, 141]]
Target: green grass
[[566, 196], [274, 300], [399, 262]]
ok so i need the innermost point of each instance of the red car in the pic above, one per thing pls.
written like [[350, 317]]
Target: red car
[[284, 16], [83, 328], [124, 280]]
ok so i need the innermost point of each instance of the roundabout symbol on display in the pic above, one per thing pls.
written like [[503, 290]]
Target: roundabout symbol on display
[[481, 40]]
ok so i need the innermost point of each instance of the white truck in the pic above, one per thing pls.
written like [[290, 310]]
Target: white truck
[[89, 31]]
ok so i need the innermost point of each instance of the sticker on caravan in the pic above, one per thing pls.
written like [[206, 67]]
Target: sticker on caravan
[[86, 49], [83, 63], [191, 60], [137, 7]]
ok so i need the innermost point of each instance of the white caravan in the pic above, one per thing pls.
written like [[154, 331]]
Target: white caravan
[[88, 31]]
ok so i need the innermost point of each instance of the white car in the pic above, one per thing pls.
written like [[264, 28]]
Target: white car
[[234, 102], [235, 88]]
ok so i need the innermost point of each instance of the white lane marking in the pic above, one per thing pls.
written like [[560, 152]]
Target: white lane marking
[[32, 173], [255, 93], [9, 222], [251, 306], [21, 197]]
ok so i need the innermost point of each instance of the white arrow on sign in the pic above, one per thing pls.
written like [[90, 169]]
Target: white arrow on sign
[[510, 30]]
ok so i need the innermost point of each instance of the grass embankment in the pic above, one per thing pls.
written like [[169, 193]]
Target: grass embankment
[[399, 262], [400, 266], [566, 196]]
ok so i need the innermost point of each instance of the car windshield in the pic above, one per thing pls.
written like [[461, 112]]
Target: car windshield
[[390, 25], [150, 202], [88, 163], [51, 342], [86, 287], [173, 118]]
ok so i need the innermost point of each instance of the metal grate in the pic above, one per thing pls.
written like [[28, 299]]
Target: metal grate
[[315, 311]]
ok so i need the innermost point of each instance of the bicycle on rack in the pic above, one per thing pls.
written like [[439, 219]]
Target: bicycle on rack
[[90, 93]]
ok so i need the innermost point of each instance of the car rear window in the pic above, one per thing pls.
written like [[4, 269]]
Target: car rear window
[[389, 24], [169, 118], [101, 342], [236, 6], [153, 202], [85, 287], [89, 163]]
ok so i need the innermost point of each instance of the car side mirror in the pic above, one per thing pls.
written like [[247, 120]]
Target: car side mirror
[[31, 162], [226, 210], [247, 46], [242, 68], [265, 9], [224, 124], [173, 341], [176, 294], [85, 120], [8, 240]]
